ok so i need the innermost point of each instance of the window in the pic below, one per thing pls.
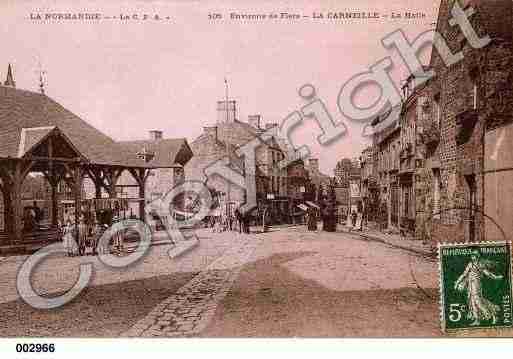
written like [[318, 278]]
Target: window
[[474, 79], [436, 193], [437, 110], [406, 201]]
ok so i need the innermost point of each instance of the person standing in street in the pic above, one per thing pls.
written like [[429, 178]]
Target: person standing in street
[[82, 236], [311, 219], [68, 239], [353, 218], [238, 217]]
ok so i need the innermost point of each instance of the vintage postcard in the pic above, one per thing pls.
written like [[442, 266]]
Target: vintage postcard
[[254, 169]]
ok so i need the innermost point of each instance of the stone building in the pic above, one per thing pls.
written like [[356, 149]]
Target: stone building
[[80, 164], [355, 185], [466, 181], [369, 182], [387, 144], [348, 180], [317, 178], [221, 140], [342, 171], [411, 156], [166, 155]]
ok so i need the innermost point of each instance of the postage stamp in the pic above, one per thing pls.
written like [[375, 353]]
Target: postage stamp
[[475, 285]]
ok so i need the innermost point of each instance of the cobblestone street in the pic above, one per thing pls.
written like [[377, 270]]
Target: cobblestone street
[[189, 310], [288, 282]]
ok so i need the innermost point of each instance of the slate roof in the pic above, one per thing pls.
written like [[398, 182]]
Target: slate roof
[[22, 109], [30, 137], [169, 152]]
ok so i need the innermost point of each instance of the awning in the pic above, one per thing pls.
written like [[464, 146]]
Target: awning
[[106, 203], [184, 214], [311, 204], [303, 207]]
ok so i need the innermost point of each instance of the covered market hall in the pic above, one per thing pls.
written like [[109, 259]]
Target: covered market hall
[[38, 135]]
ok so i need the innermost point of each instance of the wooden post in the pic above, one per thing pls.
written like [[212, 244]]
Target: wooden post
[[141, 175], [8, 216], [111, 176], [98, 188], [55, 204], [95, 175], [77, 194], [21, 170], [142, 202], [54, 181], [17, 207], [53, 178]]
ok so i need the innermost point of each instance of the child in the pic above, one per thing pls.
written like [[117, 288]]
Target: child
[[353, 218]]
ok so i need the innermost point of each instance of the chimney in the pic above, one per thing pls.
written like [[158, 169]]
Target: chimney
[[270, 125], [254, 120], [226, 111], [156, 135], [211, 131]]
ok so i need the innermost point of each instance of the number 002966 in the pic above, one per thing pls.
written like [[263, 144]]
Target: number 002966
[[35, 348]]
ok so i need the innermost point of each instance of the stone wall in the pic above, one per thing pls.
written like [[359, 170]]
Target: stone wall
[[462, 127]]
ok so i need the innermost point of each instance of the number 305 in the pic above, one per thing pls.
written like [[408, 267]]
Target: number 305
[[35, 348]]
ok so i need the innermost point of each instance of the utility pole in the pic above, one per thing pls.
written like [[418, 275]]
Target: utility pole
[[228, 205], [226, 97]]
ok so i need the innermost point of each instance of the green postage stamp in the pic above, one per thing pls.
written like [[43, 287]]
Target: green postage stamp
[[475, 285]]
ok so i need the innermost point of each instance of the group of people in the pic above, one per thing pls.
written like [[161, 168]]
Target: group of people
[[84, 239], [237, 222], [33, 215]]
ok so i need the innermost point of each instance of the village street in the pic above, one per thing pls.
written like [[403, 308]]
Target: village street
[[288, 282]]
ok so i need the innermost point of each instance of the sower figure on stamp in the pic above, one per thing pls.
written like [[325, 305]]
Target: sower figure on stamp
[[479, 308]]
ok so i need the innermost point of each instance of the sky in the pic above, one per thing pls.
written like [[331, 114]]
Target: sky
[[129, 77]]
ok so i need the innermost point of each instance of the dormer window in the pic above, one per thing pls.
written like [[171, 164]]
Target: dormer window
[[145, 154], [437, 110]]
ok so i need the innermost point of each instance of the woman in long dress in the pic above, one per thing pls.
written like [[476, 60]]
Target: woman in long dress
[[479, 308], [68, 238]]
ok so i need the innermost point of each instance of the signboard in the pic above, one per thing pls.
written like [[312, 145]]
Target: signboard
[[303, 207], [354, 189]]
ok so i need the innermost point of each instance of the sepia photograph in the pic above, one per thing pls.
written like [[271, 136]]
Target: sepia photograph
[[191, 170]]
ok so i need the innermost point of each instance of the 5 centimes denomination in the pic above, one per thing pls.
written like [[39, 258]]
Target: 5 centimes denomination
[[475, 285]]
